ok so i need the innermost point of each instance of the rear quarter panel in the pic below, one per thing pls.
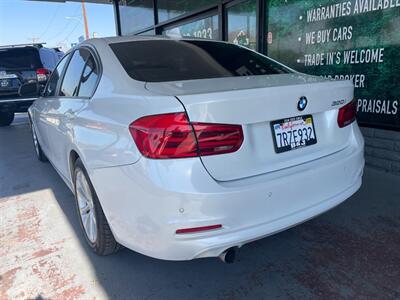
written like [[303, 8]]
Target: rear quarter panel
[[100, 132]]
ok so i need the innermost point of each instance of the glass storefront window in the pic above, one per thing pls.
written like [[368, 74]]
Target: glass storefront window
[[206, 28], [148, 32], [242, 24], [168, 9], [136, 15]]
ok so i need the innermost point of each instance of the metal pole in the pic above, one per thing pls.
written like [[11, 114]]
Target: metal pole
[[85, 20], [117, 18]]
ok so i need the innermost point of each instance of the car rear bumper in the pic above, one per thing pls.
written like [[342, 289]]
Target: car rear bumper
[[16, 105], [145, 203]]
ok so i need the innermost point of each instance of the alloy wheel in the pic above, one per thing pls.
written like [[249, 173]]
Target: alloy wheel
[[86, 206]]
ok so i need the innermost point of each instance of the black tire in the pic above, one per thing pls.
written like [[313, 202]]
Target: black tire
[[38, 149], [6, 118], [105, 243]]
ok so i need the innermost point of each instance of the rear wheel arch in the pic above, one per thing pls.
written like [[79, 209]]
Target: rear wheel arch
[[73, 157]]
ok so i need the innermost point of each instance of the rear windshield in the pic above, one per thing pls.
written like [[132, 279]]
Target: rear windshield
[[20, 59], [171, 60]]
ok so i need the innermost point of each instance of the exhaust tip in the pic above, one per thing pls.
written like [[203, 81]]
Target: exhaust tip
[[228, 256]]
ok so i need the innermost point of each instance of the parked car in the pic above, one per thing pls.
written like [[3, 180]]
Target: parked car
[[58, 52], [20, 64], [181, 149], [50, 57]]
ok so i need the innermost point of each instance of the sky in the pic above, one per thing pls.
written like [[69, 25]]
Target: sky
[[23, 20]]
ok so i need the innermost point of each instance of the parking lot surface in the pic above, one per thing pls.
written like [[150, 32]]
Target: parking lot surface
[[352, 251]]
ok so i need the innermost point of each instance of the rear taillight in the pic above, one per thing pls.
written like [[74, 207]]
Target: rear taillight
[[347, 114], [42, 74], [173, 136], [218, 138], [164, 136]]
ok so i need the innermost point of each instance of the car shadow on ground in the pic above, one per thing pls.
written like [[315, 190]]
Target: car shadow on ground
[[350, 251]]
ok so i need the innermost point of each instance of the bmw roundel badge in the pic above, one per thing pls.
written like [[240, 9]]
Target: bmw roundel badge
[[302, 104]]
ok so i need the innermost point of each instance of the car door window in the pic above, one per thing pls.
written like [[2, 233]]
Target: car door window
[[51, 86], [70, 84], [89, 78]]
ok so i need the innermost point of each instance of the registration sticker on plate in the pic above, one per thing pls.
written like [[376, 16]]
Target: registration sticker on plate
[[293, 133]]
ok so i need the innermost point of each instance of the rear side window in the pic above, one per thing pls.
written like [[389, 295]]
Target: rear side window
[[70, 84], [55, 77], [20, 59], [81, 75], [171, 60], [89, 78]]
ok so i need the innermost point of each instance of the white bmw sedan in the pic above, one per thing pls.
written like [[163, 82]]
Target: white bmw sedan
[[181, 149]]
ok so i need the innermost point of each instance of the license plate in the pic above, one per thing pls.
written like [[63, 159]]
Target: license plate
[[4, 83], [293, 133]]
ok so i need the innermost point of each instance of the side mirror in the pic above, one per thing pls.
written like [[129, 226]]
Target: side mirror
[[29, 90]]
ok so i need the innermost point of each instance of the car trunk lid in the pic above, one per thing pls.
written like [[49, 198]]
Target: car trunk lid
[[255, 102]]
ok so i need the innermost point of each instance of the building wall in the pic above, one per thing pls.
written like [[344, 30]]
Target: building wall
[[382, 149]]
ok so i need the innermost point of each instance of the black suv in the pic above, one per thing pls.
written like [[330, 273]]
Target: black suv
[[20, 64]]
